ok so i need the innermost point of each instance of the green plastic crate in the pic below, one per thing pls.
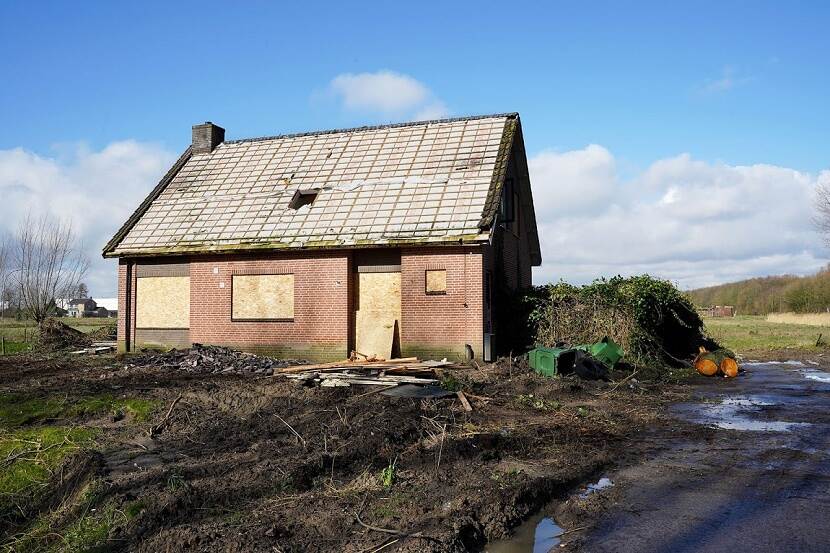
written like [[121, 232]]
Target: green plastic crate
[[547, 361]]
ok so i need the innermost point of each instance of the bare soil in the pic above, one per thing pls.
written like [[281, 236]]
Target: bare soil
[[265, 464]]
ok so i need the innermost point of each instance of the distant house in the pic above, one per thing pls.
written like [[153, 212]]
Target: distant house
[[718, 311], [81, 307], [107, 307], [401, 239]]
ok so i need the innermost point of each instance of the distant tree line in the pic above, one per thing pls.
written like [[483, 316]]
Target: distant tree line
[[774, 294]]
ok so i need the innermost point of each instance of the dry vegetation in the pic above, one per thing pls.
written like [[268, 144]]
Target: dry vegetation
[[810, 319]]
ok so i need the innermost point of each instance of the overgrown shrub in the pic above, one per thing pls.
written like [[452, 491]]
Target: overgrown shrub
[[650, 318]]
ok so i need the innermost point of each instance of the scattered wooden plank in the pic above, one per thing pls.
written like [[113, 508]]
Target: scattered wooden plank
[[463, 399]]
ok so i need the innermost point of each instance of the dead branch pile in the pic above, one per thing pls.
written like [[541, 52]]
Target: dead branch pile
[[213, 360], [54, 335], [651, 319]]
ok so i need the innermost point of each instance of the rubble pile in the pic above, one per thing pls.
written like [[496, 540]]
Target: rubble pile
[[201, 359], [54, 335]]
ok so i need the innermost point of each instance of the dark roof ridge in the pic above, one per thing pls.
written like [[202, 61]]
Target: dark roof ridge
[[510, 115]]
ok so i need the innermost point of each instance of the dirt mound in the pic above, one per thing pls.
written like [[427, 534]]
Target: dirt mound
[[54, 335], [214, 360]]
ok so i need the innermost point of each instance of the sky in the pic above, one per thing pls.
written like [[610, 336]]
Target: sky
[[685, 141]]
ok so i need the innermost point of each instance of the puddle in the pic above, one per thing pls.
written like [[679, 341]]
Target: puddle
[[539, 534], [600, 485], [760, 363], [814, 374], [745, 401], [732, 413]]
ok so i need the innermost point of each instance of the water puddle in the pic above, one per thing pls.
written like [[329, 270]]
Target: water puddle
[[732, 413], [762, 363], [813, 374], [599, 486], [538, 534]]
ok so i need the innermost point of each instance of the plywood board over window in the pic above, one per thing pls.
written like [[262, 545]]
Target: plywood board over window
[[263, 297], [162, 302], [436, 281]]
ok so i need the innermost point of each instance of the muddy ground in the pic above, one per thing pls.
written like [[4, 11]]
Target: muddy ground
[[265, 464], [757, 480]]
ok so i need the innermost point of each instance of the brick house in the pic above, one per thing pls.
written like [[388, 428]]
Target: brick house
[[81, 307], [389, 240]]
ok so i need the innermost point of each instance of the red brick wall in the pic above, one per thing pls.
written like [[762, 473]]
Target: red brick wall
[[432, 326], [320, 329], [440, 325]]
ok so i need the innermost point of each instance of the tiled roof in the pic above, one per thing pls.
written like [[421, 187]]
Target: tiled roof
[[407, 183]]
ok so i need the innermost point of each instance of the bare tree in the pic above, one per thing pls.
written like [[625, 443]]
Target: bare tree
[[822, 206], [4, 271], [48, 264]]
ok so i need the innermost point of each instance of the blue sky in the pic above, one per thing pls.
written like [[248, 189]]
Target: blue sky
[[729, 85]]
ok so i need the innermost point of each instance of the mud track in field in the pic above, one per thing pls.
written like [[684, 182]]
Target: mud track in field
[[262, 464]]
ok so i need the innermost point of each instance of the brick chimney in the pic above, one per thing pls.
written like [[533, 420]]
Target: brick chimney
[[206, 137]]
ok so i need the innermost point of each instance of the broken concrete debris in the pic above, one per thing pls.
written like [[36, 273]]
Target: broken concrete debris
[[201, 359]]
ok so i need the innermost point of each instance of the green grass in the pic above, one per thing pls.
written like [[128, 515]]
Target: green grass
[[85, 533], [24, 331], [752, 333], [18, 410], [15, 347], [39, 452]]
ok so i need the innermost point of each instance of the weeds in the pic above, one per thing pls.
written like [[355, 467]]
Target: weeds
[[450, 383], [540, 404], [388, 475], [176, 482]]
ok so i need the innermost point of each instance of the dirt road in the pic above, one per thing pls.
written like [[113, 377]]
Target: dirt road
[[760, 482]]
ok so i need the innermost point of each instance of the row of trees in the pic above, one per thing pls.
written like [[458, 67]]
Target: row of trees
[[40, 262], [775, 294]]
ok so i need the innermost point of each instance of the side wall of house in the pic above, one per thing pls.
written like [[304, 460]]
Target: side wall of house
[[435, 326], [508, 266]]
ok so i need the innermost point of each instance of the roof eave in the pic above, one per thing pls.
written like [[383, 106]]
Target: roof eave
[[463, 240]]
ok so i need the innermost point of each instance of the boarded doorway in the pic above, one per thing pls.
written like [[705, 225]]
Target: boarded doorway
[[377, 313]]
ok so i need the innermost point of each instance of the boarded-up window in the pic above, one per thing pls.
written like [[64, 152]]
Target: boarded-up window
[[162, 302], [258, 297], [436, 282]]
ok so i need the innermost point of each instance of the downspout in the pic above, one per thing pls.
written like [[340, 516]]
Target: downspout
[[128, 296]]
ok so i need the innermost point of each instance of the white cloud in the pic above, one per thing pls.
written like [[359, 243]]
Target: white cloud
[[689, 221], [95, 190], [387, 93], [728, 80]]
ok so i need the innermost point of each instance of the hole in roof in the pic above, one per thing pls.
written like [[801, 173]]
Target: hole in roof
[[302, 198]]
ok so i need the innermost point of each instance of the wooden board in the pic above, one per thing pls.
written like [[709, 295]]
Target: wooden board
[[436, 281], [162, 302], [378, 314], [263, 297]]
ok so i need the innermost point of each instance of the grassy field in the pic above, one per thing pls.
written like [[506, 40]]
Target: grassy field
[[751, 333], [20, 334]]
